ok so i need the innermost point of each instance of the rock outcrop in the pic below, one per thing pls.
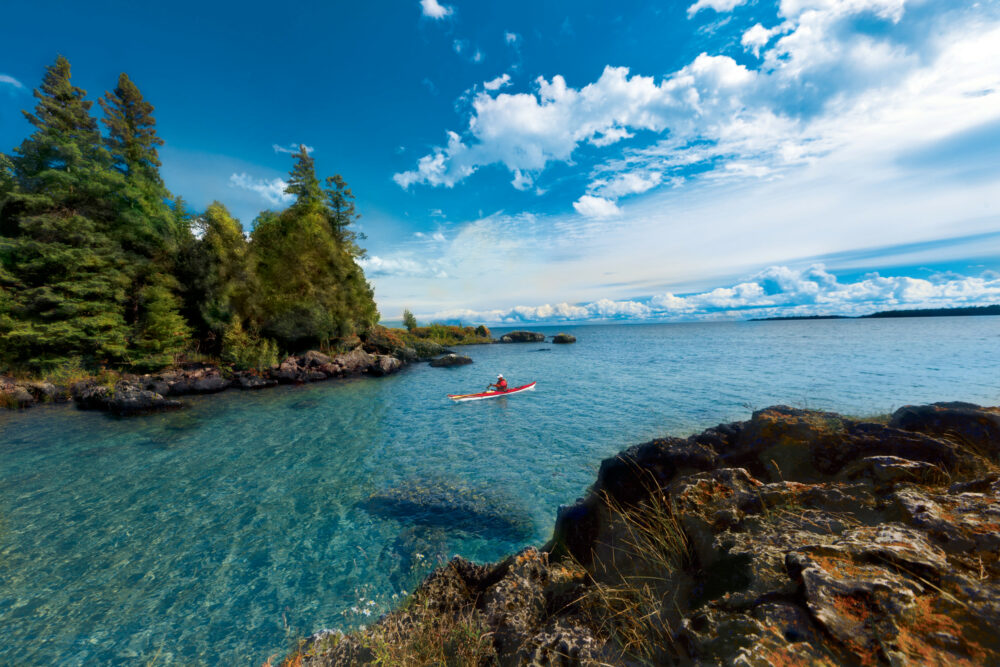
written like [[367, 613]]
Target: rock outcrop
[[523, 337], [449, 360], [795, 538], [124, 399], [25, 394], [563, 339]]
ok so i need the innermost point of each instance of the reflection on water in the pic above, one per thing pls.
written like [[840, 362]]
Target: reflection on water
[[216, 534]]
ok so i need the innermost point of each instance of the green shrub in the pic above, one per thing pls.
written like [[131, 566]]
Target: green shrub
[[246, 349]]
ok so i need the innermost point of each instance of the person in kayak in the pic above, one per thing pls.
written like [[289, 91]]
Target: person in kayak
[[500, 384]]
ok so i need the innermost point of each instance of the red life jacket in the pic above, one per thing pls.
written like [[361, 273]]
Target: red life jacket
[[502, 384]]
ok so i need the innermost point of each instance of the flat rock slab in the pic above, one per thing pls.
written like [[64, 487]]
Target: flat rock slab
[[450, 360], [523, 337]]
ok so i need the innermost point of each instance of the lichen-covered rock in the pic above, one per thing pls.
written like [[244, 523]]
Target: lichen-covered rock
[[449, 360], [563, 339], [796, 538]]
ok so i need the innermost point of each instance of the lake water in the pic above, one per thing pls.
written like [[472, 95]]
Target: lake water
[[218, 534]]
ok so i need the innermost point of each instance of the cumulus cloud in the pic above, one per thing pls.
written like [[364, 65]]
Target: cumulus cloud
[[272, 190], [435, 10], [718, 5], [9, 80], [497, 83], [512, 38], [820, 73], [757, 38], [596, 207], [291, 148], [775, 291]]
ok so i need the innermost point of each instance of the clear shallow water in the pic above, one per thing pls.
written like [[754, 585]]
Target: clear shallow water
[[216, 534]]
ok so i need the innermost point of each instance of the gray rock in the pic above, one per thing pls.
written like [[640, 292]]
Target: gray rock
[[562, 339], [449, 360], [125, 399], [314, 359], [385, 365], [523, 337]]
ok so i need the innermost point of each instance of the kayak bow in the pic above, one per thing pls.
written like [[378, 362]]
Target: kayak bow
[[490, 394]]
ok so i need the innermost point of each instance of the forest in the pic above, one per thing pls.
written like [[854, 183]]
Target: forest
[[101, 266]]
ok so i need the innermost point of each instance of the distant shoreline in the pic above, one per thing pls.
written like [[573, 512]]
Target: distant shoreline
[[968, 311]]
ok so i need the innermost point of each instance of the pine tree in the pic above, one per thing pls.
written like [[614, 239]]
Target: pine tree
[[342, 214], [409, 321], [61, 268], [302, 181], [146, 226]]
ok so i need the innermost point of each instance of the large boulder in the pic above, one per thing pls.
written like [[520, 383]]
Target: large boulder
[[449, 360], [385, 365], [13, 395], [563, 338], [123, 400], [523, 337]]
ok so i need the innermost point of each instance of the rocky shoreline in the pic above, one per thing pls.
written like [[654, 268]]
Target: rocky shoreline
[[796, 537], [130, 394]]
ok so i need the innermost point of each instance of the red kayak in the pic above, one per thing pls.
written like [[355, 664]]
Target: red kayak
[[490, 394]]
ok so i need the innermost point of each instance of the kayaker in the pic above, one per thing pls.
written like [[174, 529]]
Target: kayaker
[[500, 385]]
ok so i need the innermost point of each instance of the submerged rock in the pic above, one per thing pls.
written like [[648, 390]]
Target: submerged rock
[[797, 537], [562, 339], [450, 360], [454, 505], [522, 337]]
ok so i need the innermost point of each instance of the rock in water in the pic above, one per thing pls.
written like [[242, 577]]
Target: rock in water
[[562, 338], [123, 400], [523, 337], [450, 360], [453, 505]]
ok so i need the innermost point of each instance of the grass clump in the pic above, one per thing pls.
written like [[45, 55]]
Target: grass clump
[[422, 635], [632, 598]]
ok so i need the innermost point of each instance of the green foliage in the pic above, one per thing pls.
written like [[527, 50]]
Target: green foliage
[[63, 275], [247, 350], [409, 321], [100, 265], [449, 334], [214, 271], [162, 332], [310, 290]]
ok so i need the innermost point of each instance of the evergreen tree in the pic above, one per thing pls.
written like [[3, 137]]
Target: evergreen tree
[[302, 181], [162, 333], [61, 269], [340, 205], [310, 289], [146, 226]]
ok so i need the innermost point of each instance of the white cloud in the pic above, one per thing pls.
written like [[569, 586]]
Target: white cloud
[[718, 5], [5, 78], [512, 38], [497, 83], [774, 292], [626, 183], [757, 38], [596, 207], [291, 148], [400, 266], [272, 190], [435, 10], [478, 56]]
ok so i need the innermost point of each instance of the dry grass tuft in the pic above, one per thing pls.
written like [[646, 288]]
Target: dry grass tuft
[[631, 600]]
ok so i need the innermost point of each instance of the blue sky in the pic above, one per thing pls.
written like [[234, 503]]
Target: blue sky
[[525, 161]]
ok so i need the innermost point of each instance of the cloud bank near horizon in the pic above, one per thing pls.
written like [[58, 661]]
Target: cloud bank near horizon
[[778, 291]]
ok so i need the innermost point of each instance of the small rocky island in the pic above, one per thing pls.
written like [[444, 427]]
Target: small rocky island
[[795, 538]]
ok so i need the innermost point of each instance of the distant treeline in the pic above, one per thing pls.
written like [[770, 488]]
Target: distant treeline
[[100, 265], [914, 312]]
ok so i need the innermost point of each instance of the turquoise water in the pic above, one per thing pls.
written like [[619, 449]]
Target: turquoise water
[[218, 534]]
